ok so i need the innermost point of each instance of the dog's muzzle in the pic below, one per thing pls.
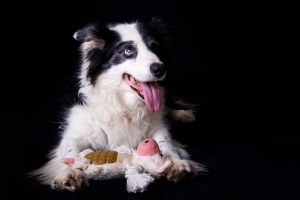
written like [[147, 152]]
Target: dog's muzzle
[[158, 69]]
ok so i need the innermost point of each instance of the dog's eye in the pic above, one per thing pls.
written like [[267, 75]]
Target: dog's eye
[[154, 47], [129, 52]]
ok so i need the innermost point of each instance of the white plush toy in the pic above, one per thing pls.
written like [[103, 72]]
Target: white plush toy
[[140, 167]]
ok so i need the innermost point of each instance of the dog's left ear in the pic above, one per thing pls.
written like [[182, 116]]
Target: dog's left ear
[[162, 26]]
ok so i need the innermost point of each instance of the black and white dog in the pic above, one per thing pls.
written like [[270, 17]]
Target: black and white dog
[[121, 100]]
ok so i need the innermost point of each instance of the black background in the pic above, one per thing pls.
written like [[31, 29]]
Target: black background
[[237, 59]]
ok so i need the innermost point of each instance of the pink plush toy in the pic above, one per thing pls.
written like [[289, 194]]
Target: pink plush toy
[[140, 167]]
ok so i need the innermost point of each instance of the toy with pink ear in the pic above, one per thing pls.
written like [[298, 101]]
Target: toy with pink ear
[[140, 167], [147, 147], [148, 156]]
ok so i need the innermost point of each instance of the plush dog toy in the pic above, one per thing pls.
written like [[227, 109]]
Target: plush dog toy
[[140, 167]]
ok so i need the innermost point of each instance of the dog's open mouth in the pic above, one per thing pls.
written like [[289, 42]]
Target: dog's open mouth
[[146, 90]]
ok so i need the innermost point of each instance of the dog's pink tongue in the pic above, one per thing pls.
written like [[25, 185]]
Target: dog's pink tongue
[[151, 95]]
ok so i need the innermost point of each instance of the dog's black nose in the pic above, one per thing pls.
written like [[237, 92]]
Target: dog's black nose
[[157, 69]]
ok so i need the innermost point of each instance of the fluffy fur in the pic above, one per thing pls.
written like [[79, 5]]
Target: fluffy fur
[[120, 100]]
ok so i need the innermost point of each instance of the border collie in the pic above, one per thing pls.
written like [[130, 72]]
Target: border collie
[[121, 99]]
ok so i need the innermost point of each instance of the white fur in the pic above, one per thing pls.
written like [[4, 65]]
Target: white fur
[[115, 115]]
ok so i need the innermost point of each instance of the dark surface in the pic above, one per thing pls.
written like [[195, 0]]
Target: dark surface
[[236, 58]]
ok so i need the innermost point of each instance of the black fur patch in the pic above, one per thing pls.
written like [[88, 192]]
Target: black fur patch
[[156, 36]]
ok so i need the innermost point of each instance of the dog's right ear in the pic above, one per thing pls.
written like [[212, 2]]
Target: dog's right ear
[[89, 32], [79, 35], [92, 36], [86, 33]]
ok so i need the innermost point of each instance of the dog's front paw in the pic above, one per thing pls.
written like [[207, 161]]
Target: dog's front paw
[[181, 169], [70, 180]]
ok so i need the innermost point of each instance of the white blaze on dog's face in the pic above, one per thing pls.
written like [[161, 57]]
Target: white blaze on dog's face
[[131, 56], [139, 72]]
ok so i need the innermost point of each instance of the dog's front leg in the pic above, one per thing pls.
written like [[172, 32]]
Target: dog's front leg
[[65, 177], [58, 173], [183, 166], [77, 136]]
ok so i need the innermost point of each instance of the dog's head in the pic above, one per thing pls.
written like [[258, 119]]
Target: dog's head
[[132, 56]]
